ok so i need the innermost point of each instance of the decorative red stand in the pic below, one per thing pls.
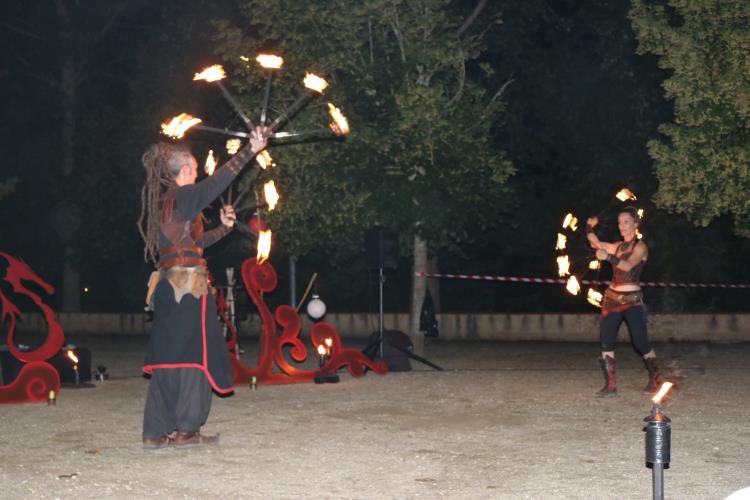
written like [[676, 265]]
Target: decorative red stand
[[37, 377], [261, 279]]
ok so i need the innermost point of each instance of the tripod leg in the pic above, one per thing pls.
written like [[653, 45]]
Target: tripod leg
[[416, 357]]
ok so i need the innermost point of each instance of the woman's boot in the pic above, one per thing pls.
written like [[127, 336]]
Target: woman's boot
[[608, 365], [654, 377]]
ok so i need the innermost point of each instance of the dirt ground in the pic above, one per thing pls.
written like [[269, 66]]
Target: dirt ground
[[502, 421]]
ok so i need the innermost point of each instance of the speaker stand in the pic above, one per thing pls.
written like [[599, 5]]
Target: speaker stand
[[379, 343]]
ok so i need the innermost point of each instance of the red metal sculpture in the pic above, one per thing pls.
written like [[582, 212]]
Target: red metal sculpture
[[37, 377], [261, 279]]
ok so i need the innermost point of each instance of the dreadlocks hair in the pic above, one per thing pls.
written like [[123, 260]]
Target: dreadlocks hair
[[162, 162]]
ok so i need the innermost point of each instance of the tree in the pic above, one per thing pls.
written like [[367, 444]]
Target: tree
[[702, 160], [421, 158]]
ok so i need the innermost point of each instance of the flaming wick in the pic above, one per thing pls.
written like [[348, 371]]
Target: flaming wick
[[270, 63], [314, 86], [663, 390], [214, 74]]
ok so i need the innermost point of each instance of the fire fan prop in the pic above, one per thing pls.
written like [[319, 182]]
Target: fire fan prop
[[37, 379], [575, 258]]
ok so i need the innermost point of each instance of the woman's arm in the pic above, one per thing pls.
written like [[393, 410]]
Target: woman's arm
[[639, 254], [594, 240]]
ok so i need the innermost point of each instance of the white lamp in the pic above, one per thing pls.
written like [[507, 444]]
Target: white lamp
[[316, 308]]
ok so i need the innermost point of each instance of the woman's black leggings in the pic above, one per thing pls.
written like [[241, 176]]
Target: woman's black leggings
[[635, 317]]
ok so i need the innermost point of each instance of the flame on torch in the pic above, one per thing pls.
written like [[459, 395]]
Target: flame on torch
[[340, 125], [641, 213], [210, 163], [572, 285], [321, 350], [233, 145], [264, 246], [329, 342], [595, 265], [314, 82], [563, 265], [264, 159], [177, 126], [211, 74], [570, 221], [638, 233], [625, 194], [562, 240], [72, 356], [594, 297], [272, 197], [270, 61], [663, 390]]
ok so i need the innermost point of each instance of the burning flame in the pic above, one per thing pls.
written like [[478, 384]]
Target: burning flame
[[570, 221], [211, 74], [245, 58], [594, 297], [572, 286], [640, 213], [563, 265], [562, 240], [340, 125], [233, 145], [210, 163], [625, 194], [595, 265], [314, 82], [272, 197], [270, 61], [638, 233], [321, 350], [177, 126], [264, 159], [264, 246], [329, 341], [72, 355], [663, 390]]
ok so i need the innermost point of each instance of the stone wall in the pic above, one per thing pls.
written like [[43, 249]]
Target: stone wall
[[456, 326]]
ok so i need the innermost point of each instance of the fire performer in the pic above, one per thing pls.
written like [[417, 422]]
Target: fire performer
[[187, 356], [623, 300]]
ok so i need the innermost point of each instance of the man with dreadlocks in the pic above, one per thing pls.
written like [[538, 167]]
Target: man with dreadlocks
[[187, 356]]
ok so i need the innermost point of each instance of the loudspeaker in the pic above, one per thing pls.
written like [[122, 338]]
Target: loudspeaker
[[382, 248], [396, 359]]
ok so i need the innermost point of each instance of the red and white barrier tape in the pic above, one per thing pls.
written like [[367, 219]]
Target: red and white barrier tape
[[560, 281]]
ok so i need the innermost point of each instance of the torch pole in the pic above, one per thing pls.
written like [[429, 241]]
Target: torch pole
[[223, 131], [658, 443], [266, 99], [236, 106], [292, 110]]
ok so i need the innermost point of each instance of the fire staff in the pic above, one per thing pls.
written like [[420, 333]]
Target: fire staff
[[623, 300], [187, 357]]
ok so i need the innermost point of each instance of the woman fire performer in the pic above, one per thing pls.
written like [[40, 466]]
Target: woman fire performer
[[623, 300], [187, 356]]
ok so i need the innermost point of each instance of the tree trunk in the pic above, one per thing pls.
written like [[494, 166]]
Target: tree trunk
[[71, 276], [419, 285], [433, 284]]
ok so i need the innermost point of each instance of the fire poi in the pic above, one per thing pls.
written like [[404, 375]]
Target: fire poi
[[577, 261]]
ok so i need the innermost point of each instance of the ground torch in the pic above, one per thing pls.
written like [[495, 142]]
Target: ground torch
[[658, 441]]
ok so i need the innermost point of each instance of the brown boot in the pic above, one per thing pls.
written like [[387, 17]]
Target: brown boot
[[609, 366], [654, 376], [157, 443], [188, 439]]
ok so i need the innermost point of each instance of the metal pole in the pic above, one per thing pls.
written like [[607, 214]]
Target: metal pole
[[292, 282], [382, 279], [658, 481]]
